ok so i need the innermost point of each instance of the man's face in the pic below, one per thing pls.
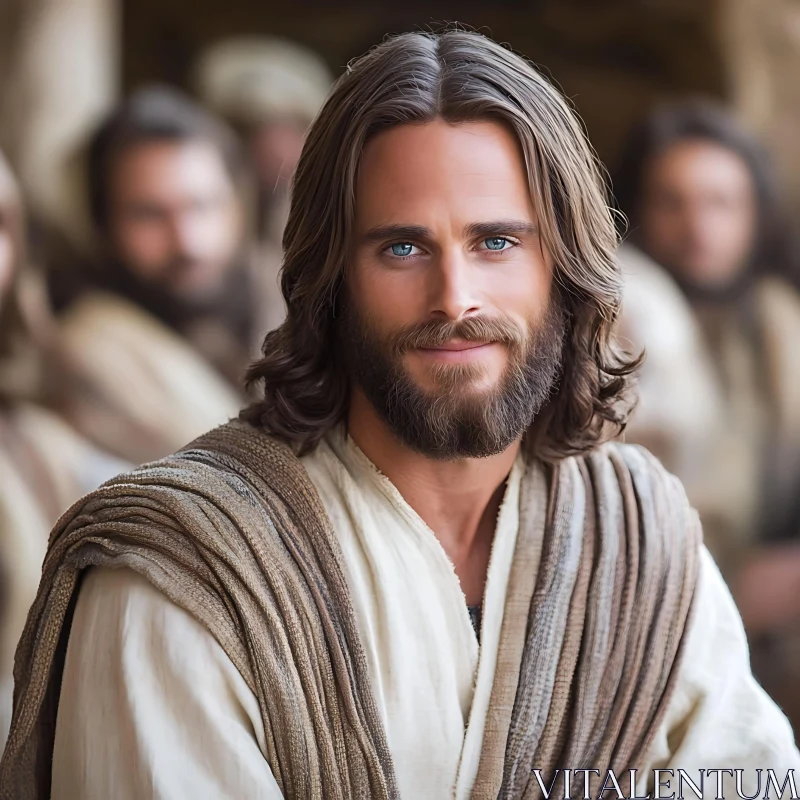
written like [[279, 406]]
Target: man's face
[[276, 146], [175, 221], [447, 326], [699, 213]]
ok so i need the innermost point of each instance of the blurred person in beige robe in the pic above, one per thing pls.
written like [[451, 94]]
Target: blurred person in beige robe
[[270, 89], [702, 204], [173, 304], [680, 415], [45, 466]]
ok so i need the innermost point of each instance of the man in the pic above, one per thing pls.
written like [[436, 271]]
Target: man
[[288, 612], [44, 465], [678, 413], [702, 203], [175, 304], [270, 90]]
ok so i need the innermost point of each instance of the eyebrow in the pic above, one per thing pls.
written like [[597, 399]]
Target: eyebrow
[[384, 232], [511, 226]]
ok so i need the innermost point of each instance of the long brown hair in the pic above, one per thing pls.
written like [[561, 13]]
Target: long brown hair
[[457, 76]]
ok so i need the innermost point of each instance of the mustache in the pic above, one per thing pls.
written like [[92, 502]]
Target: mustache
[[434, 333]]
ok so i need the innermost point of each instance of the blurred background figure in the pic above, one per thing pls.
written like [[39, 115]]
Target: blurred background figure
[[702, 204], [269, 89], [165, 317], [679, 413], [44, 465]]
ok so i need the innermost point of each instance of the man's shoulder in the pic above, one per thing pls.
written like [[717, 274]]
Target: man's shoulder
[[779, 306], [115, 592], [617, 468], [119, 596], [634, 457], [122, 613], [98, 308], [226, 457], [103, 322], [132, 360]]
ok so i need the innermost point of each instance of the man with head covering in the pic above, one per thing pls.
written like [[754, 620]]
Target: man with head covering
[[270, 89], [44, 465], [413, 568], [174, 301], [702, 203]]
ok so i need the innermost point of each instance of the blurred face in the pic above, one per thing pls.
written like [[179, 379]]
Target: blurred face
[[276, 147], [699, 213], [175, 220], [448, 325]]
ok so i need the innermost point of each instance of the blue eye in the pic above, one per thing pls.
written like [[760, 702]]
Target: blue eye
[[402, 249], [496, 243]]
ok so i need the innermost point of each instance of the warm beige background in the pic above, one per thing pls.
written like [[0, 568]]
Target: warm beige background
[[614, 58]]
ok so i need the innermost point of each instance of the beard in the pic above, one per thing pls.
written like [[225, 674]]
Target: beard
[[232, 304], [716, 294], [453, 420]]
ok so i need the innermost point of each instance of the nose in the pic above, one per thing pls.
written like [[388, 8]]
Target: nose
[[455, 293]]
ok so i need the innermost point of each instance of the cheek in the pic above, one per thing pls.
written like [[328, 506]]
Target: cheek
[[213, 233], [662, 226], [145, 244], [733, 242], [389, 298], [521, 291], [743, 227], [225, 232]]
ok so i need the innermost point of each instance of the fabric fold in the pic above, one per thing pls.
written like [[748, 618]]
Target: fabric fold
[[232, 530]]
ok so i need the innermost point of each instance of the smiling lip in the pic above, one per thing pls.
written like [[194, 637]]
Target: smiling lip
[[456, 346], [456, 351]]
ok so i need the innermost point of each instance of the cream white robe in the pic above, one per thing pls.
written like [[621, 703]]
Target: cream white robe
[[134, 387], [31, 501], [152, 707]]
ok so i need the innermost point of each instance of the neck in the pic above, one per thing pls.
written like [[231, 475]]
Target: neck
[[458, 500]]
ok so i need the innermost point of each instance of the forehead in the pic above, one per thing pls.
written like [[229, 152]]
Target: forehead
[[166, 166], [474, 170], [698, 163]]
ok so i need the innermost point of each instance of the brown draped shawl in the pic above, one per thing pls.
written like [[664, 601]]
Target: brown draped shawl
[[232, 530]]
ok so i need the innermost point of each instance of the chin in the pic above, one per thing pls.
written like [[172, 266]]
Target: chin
[[467, 386], [437, 372], [438, 377]]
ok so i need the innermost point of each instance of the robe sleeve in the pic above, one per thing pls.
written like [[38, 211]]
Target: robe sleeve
[[151, 706], [719, 717]]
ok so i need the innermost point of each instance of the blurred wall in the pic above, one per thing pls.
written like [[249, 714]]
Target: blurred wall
[[613, 57], [62, 62], [60, 73], [762, 45]]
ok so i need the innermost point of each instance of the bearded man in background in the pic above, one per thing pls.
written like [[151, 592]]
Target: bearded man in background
[[412, 569], [703, 204], [170, 309]]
